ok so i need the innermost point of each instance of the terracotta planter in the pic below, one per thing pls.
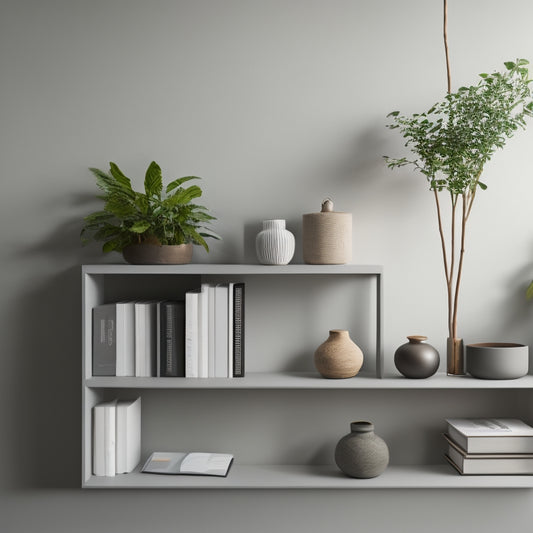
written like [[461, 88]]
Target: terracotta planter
[[156, 254]]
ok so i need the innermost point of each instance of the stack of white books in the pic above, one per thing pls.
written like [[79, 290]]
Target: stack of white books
[[214, 331], [116, 437], [490, 446]]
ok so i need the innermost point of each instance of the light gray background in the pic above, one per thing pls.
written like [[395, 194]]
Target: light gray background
[[276, 104]]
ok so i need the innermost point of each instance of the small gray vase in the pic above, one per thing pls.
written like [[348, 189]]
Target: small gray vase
[[361, 453]]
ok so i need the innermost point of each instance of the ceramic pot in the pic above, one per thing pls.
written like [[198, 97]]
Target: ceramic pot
[[157, 254], [497, 360], [416, 359], [274, 245], [361, 453], [338, 356], [327, 236]]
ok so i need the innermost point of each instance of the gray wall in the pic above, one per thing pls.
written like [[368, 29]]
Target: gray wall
[[276, 104]]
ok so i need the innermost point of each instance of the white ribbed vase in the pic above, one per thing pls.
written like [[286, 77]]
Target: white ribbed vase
[[274, 245]]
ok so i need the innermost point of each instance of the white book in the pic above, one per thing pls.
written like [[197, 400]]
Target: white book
[[145, 339], [203, 332], [104, 438], [125, 338], [491, 435], [230, 330], [128, 439], [194, 463], [221, 330], [211, 294], [489, 464], [191, 334]]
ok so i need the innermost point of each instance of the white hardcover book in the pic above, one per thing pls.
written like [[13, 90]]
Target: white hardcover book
[[491, 435], [125, 338], [191, 334], [104, 438], [489, 464], [128, 440], [221, 330], [203, 332], [211, 331], [230, 330], [145, 339], [98, 440]]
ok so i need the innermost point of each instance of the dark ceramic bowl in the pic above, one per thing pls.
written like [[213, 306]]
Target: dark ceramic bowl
[[497, 360]]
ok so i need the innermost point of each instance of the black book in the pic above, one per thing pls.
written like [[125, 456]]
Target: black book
[[171, 341], [238, 330]]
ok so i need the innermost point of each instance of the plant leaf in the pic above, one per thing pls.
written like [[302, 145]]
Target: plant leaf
[[176, 183], [140, 226], [119, 176], [153, 181]]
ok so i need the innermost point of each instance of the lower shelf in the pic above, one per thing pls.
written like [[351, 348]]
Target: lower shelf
[[313, 477]]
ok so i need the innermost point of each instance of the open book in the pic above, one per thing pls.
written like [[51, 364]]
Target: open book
[[199, 464]]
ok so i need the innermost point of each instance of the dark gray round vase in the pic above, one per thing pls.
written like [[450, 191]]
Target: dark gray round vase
[[416, 359], [361, 453]]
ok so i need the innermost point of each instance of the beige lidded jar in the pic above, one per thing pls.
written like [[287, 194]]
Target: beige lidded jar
[[327, 236]]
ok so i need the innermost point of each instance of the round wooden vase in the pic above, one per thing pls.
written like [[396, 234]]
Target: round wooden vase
[[157, 254], [338, 357]]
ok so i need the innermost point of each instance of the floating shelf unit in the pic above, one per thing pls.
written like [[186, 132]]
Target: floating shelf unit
[[98, 284]]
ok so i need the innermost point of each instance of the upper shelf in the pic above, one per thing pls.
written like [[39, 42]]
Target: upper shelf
[[232, 269], [309, 381]]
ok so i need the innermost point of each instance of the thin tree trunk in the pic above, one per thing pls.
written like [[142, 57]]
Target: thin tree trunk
[[446, 52]]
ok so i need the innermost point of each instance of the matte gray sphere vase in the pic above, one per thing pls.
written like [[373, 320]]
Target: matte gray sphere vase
[[361, 453], [416, 359]]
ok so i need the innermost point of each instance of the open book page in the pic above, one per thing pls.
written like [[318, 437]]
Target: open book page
[[201, 464]]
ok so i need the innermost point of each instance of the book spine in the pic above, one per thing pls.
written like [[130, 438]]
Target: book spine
[[110, 439], [125, 321], [128, 436], [172, 340], [98, 440], [221, 331], [238, 330], [104, 355], [191, 334]]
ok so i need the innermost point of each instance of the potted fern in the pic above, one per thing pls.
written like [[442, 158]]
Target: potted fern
[[451, 143], [159, 225]]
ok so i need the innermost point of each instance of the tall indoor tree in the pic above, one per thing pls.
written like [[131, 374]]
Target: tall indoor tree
[[452, 142]]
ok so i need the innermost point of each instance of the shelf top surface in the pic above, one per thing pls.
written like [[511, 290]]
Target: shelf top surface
[[310, 381], [232, 269], [314, 477]]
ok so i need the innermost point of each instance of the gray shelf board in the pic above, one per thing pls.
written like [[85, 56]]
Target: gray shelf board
[[313, 477], [309, 380], [232, 269]]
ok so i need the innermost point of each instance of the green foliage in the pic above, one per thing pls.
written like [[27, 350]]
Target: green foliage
[[456, 137], [157, 216], [529, 292]]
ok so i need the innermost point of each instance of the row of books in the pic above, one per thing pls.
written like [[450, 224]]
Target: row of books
[[490, 446], [199, 337], [116, 437]]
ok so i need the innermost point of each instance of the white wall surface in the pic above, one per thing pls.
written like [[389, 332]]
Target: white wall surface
[[276, 104]]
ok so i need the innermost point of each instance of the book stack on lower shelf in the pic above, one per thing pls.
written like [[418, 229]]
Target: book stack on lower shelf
[[116, 437], [490, 446], [201, 336]]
